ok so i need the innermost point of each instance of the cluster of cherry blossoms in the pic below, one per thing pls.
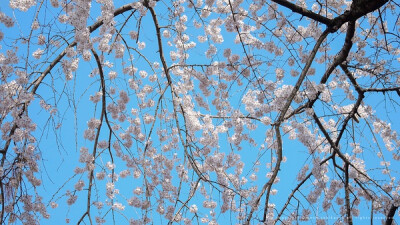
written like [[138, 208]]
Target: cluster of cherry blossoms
[[199, 112]]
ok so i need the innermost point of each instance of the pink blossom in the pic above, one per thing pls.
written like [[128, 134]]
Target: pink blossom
[[279, 73], [112, 75], [96, 98], [72, 199], [141, 45], [110, 165], [38, 53], [53, 205], [166, 34], [100, 175], [79, 185]]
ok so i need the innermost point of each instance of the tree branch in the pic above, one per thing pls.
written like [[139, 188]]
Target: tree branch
[[390, 215], [346, 191], [304, 12]]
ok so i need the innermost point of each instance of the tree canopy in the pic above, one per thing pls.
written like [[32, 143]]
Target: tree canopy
[[199, 112]]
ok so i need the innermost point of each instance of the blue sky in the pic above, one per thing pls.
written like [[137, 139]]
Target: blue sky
[[59, 148]]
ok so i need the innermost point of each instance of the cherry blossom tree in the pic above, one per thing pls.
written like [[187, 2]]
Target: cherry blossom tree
[[199, 112]]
